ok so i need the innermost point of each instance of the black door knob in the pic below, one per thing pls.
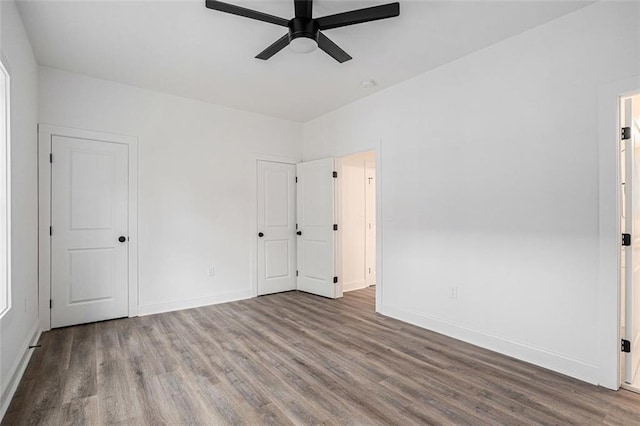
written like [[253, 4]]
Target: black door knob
[[299, 232], [260, 234], [122, 239]]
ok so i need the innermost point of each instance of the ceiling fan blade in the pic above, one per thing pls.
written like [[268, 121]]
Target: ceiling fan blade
[[280, 44], [247, 13], [332, 49], [359, 16], [304, 8]]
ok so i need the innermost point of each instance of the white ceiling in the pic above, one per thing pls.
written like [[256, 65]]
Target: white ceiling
[[180, 47]]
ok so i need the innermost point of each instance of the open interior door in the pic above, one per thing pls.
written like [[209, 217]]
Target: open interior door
[[631, 329], [316, 235]]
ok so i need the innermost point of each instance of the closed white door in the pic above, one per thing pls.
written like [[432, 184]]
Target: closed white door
[[276, 227], [632, 262], [370, 222], [89, 218], [316, 234]]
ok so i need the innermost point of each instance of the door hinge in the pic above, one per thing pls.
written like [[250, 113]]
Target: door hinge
[[335, 174], [625, 346], [50, 303], [626, 133], [335, 226], [335, 280], [50, 158], [626, 239], [296, 226], [296, 272], [51, 230], [296, 179]]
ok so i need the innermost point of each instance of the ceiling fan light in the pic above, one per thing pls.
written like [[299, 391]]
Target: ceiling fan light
[[303, 45]]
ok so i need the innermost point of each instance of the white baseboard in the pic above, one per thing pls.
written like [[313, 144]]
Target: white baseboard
[[176, 305], [8, 388], [543, 358], [354, 285]]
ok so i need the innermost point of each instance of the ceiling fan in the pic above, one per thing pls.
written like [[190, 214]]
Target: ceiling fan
[[304, 31]]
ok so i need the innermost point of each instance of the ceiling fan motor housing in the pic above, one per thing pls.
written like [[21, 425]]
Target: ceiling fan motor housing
[[302, 27]]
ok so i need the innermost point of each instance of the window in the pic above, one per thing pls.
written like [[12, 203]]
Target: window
[[5, 287]]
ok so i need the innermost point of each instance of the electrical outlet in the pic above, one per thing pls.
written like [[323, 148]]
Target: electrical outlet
[[212, 271], [453, 292]]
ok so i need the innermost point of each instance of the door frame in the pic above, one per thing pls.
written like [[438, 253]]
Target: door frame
[[377, 148], [45, 134], [253, 226], [623, 283], [608, 312], [338, 213]]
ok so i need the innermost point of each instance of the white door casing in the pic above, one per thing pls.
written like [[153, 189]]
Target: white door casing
[[276, 249], [623, 249], [632, 252], [315, 200], [46, 136], [89, 213]]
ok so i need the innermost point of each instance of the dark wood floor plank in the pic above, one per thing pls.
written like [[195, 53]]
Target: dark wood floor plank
[[81, 374], [81, 411], [293, 358]]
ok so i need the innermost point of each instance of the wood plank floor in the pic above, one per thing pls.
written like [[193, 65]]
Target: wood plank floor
[[292, 358]]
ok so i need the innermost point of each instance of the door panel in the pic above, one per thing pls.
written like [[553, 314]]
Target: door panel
[[276, 221], [92, 198], [91, 275], [278, 265], [89, 212], [315, 211]]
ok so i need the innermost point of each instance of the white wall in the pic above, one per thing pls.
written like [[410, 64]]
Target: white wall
[[18, 327], [196, 182], [489, 174], [352, 221]]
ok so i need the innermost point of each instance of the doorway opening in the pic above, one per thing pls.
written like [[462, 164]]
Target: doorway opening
[[316, 227], [356, 201], [630, 229]]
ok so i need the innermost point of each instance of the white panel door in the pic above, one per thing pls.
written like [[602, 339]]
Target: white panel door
[[632, 261], [370, 222], [276, 227], [316, 237], [89, 215]]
